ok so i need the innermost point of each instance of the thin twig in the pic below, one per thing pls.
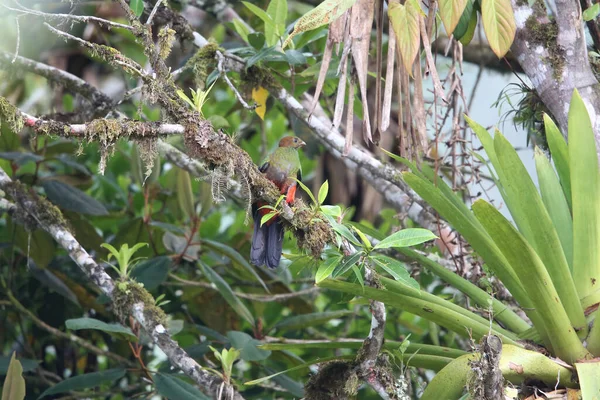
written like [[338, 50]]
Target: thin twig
[[223, 73]]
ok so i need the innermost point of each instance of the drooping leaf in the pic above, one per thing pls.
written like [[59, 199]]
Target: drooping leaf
[[117, 330], [326, 268], [14, 384], [247, 346], [499, 25], [396, 269], [451, 12], [325, 13], [260, 96], [405, 22], [137, 6], [405, 238], [346, 264], [228, 294], [72, 199], [277, 10], [470, 32], [174, 388], [86, 381], [463, 22]]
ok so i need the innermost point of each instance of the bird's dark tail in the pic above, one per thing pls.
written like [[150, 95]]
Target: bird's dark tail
[[267, 241]]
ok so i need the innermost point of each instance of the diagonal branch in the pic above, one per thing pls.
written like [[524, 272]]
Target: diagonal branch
[[49, 219]]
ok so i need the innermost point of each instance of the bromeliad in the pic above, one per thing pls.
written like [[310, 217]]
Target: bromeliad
[[282, 168]]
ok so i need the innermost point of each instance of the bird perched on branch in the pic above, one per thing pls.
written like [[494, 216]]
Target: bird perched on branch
[[282, 168]]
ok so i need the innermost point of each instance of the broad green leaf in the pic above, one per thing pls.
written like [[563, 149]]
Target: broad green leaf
[[72, 199], [346, 264], [562, 338], [248, 270], [87, 381], [241, 28], [91, 323], [364, 239], [267, 217], [14, 384], [536, 226], [304, 320], [326, 268], [451, 12], [259, 56], [406, 238], [470, 33], [174, 388], [463, 23], [589, 377], [185, 194], [323, 190], [585, 189], [405, 19], [277, 10], [556, 204], [137, 6], [225, 290], [591, 12], [27, 364], [256, 40], [560, 156], [262, 14], [295, 57], [151, 273], [501, 311], [323, 14], [307, 190], [247, 346], [499, 25], [396, 269]]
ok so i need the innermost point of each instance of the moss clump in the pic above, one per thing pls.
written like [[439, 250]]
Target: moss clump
[[337, 379], [255, 77], [165, 42], [11, 115], [545, 34], [314, 234], [127, 293], [201, 62]]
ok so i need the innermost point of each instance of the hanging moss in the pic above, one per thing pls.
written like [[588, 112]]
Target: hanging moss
[[201, 62], [10, 115]]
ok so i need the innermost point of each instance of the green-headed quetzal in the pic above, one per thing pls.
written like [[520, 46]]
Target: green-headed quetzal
[[282, 168]]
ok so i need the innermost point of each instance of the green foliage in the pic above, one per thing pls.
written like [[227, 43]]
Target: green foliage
[[123, 257]]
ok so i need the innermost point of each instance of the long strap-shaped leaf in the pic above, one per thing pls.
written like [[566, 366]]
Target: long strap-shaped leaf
[[560, 156], [563, 339], [536, 226]]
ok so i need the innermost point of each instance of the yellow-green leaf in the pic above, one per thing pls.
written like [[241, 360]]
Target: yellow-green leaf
[[325, 13], [14, 384], [499, 25], [450, 12], [260, 95], [405, 22], [185, 195]]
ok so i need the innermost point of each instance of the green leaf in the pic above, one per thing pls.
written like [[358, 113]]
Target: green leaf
[[451, 12], [271, 30], [556, 204], [499, 25], [535, 224], [405, 22], [365, 241], [562, 337], [591, 13], [247, 346], [86, 381], [185, 194], [14, 384], [242, 29], [267, 217], [463, 23], [589, 377], [256, 40], [137, 6], [304, 320], [472, 25], [236, 258], [277, 10], [91, 323], [323, 190], [260, 55], [560, 156], [151, 273], [174, 388], [396, 269], [228, 294], [295, 57], [323, 14], [27, 364], [326, 268], [70, 198], [406, 238], [585, 187], [307, 190], [347, 263]]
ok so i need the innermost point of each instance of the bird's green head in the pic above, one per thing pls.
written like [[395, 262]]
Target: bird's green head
[[292, 141]]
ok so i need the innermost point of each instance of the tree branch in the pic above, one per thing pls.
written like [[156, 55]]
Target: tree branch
[[49, 219]]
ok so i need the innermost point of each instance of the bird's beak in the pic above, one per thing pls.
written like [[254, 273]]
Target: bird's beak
[[301, 144]]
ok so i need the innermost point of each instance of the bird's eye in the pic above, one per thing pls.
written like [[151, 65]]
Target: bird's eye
[[295, 140]]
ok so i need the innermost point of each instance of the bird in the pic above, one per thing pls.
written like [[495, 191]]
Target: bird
[[282, 168]]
